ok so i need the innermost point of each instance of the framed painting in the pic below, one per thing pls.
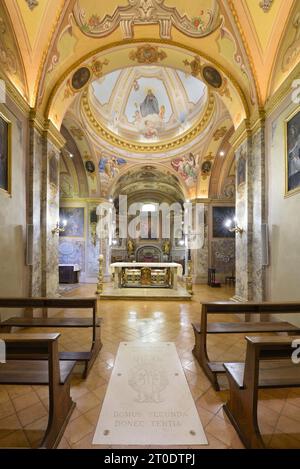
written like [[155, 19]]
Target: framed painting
[[220, 215], [5, 154], [292, 157], [74, 217]]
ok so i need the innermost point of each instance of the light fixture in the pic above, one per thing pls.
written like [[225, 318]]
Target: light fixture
[[222, 153], [110, 200], [232, 226], [181, 242], [60, 227]]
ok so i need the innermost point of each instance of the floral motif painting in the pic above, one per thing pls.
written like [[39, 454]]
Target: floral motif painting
[[5, 130], [187, 168], [74, 217], [293, 154], [111, 166]]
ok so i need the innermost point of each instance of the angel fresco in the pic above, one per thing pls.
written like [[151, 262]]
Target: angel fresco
[[187, 168], [110, 166]]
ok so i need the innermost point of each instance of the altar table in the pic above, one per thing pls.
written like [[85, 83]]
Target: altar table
[[146, 274]]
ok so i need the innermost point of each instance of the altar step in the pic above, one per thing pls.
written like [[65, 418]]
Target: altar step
[[169, 294]]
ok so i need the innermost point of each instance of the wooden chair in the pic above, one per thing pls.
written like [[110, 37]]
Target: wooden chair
[[212, 368], [212, 279], [44, 369], [268, 365], [93, 322]]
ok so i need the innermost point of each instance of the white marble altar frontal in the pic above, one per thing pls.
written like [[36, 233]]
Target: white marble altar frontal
[[148, 401]]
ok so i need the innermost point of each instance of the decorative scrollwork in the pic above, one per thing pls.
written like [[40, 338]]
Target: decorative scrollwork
[[139, 12]]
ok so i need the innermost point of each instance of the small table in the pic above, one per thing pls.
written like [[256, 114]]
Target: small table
[[68, 273]]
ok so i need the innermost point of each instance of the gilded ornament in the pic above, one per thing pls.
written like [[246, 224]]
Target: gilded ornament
[[147, 54]]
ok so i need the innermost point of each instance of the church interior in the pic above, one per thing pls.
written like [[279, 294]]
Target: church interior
[[149, 243]]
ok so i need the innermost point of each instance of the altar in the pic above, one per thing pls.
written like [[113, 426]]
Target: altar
[[146, 274]]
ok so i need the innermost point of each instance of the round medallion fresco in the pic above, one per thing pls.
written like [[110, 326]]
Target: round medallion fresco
[[212, 76], [81, 78]]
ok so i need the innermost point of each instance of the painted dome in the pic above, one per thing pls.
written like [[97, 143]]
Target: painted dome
[[148, 104]]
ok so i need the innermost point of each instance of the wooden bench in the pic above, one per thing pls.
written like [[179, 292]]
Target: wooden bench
[[212, 368], [268, 365], [46, 369], [58, 322]]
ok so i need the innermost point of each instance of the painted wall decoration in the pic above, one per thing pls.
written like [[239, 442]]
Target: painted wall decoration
[[72, 252], [75, 221], [220, 215], [187, 167], [291, 56], [293, 154], [5, 154], [111, 166], [241, 171], [147, 11]]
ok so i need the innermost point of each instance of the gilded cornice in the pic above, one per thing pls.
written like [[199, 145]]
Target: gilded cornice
[[282, 92], [36, 121], [92, 200], [241, 134], [124, 144], [53, 134], [15, 95]]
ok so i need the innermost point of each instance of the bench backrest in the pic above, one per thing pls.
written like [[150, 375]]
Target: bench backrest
[[36, 302], [232, 307], [34, 346], [264, 348]]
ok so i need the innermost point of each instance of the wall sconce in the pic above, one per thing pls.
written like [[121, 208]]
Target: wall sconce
[[232, 226], [59, 228]]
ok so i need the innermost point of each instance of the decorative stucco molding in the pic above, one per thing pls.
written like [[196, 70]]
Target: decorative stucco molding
[[266, 5], [139, 12]]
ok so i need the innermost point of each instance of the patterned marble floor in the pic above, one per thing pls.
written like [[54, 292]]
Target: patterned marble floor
[[23, 409]]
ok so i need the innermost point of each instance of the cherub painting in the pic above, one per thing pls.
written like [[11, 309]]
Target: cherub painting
[[187, 167], [110, 166]]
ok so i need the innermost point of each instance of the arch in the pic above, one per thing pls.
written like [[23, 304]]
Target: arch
[[168, 54]]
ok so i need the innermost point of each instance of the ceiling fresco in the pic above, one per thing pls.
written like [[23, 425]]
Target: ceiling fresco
[[139, 83], [148, 104]]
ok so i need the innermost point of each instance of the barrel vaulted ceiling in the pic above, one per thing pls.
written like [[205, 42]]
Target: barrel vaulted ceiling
[[132, 78]]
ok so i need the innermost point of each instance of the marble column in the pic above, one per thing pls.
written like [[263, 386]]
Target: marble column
[[250, 214], [200, 254], [45, 145]]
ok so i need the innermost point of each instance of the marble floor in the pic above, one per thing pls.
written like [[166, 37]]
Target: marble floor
[[23, 409], [112, 293]]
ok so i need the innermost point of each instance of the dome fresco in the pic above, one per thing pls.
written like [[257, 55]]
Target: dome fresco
[[148, 104]]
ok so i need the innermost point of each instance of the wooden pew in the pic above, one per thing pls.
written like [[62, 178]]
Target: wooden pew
[[201, 330], [45, 369], [260, 370], [58, 322]]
